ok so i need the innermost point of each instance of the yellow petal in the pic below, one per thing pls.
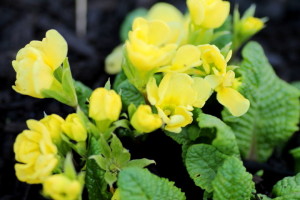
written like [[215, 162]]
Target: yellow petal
[[152, 91], [216, 15], [196, 9], [54, 47], [203, 90], [236, 103], [214, 80], [187, 56]]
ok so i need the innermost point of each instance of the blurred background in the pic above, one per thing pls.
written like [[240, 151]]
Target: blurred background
[[94, 37]]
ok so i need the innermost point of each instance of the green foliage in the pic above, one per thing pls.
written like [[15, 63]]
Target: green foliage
[[140, 184], [288, 188], [202, 163], [113, 157], [83, 94], [94, 180], [130, 94], [232, 181], [274, 110]]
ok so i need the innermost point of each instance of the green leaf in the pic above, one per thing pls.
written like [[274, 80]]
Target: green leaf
[[296, 84], [141, 163], [232, 181], [120, 77], [274, 111], [224, 140], [140, 184], [83, 94], [94, 180], [288, 188], [296, 155], [202, 162], [130, 94], [68, 83], [127, 23]]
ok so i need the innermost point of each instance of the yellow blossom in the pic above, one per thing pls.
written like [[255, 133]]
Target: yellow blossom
[[236, 103], [36, 62], [175, 98], [36, 153], [148, 46], [172, 17], [186, 57], [213, 60], [116, 195], [53, 123], [250, 25], [208, 13], [105, 107], [60, 187], [74, 128], [144, 121]]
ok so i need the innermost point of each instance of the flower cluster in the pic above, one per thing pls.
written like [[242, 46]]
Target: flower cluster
[[171, 65]]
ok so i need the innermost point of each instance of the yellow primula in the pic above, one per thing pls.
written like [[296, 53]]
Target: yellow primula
[[74, 128], [60, 187], [144, 121], [175, 98], [186, 57], [227, 95], [54, 125], [35, 152], [172, 17], [36, 62], [212, 60], [105, 107], [208, 13]]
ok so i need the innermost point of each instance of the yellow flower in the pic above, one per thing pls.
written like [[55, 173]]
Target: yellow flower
[[175, 97], [144, 121], [186, 57], [36, 62], [213, 60], [105, 107], [149, 45], [208, 13], [113, 62], [251, 25], [36, 153], [172, 17], [60, 187], [53, 123], [236, 103], [74, 128]]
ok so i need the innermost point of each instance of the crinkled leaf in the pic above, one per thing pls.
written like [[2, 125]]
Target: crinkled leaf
[[140, 184], [232, 181], [288, 188], [224, 140], [120, 77], [202, 162], [274, 111], [94, 180], [130, 94]]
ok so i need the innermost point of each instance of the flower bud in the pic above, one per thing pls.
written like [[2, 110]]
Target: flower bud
[[53, 123], [74, 128], [60, 187], [105, 107], [144, 121], [251, 25]]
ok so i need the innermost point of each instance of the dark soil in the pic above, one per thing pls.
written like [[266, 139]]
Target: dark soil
[[24, 20]]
